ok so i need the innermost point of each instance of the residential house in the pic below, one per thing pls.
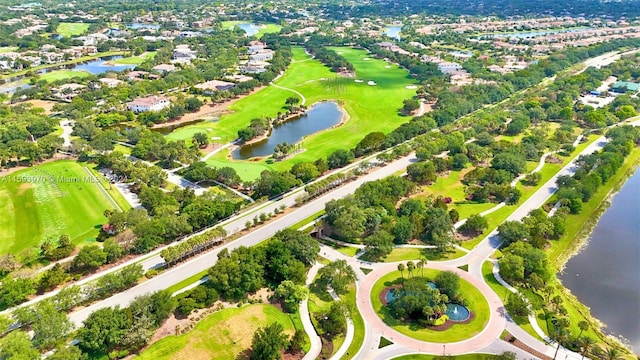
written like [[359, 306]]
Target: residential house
[[67, 92], [110, 82], [262, 55], [149, 103], [212, 86], [449, 67], [164, 68]]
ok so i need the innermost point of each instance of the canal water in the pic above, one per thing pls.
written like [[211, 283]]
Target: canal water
[[605, 275], [322, 116]]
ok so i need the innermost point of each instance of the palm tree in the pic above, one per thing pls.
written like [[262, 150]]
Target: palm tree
[[410, 267], [421, 264], [584, 326], [611, 354], [560, 336], [585, 343], [401, 269]]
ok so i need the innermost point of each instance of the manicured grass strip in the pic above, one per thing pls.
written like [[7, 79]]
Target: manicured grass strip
[[188, 281], [308, 220], [67, 29], [358, 325], [402, 254], [48, 200], [458, 332], [221, 335]]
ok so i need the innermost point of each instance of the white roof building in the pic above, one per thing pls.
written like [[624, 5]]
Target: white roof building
[[149, 103]]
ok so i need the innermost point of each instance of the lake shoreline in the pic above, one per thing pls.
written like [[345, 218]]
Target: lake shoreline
[[581, 239]]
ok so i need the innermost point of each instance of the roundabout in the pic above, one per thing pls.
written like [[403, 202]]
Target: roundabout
[[485, 324]]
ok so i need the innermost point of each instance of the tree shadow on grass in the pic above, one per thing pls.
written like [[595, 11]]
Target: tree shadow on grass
[[320, 292]]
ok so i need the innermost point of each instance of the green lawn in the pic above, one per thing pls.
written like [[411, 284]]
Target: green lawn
[[221, 335], [458, 332], [370, 108], [6, 49], [402, 254], [358, 324], [72, 29], [62, 75], [110, 188], [135, 60], [40, 207]]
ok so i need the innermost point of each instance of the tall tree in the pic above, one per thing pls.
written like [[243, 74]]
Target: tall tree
[[268, 343]]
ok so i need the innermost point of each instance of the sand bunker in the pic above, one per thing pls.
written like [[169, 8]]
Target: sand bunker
[[411, 87], [358, 80], [372, 83]]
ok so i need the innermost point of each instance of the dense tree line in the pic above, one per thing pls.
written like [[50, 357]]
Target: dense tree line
[[330, 58], [26, 135], [245, 270]]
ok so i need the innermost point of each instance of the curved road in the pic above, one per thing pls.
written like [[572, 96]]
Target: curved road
[[491, 332]]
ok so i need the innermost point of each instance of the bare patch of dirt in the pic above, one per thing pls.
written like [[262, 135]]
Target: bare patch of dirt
[[553, 160]]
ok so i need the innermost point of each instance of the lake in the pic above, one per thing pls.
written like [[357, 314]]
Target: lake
[[322, 116], [98, 66], [95, 67], [604, 275], [250, 29], [393, 31]]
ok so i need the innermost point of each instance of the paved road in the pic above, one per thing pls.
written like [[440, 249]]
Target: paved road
[[187, 269]]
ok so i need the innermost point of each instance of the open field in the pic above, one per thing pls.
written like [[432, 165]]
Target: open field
[[72, 29], [49, 200], [475, 302], [62, 74], [6, 49], [221, 335], [370, 108], [135, 60]]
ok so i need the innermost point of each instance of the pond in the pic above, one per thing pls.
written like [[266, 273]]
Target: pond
[[98, 66], [11, 87], [143, 26], [604, 275], [249, 28], [321, 116], [393, 31]]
